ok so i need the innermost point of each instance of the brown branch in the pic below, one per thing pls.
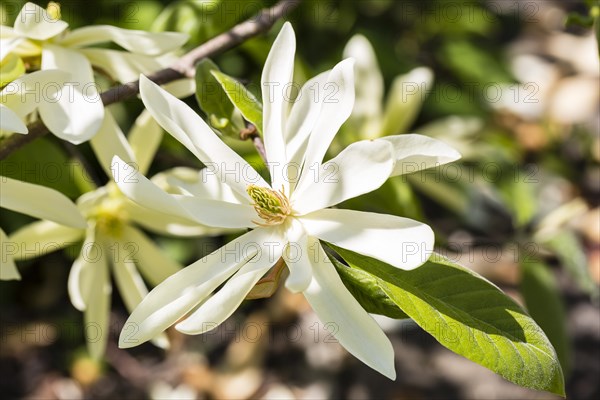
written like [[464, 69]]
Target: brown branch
[[183, 68], [252, 133]]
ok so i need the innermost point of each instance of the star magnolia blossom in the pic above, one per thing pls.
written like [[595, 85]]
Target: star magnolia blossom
[[289, 216], [43, 41], [106, 222]]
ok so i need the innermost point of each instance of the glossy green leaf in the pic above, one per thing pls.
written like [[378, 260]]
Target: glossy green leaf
[[214, 101], [366, 288], [242, 98], [543, 301], [471, 317]]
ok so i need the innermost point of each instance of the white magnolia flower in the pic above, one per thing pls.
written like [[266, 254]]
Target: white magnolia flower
[[107, 223], [289, 216], [37, 201], [369, 118], [43, 41]]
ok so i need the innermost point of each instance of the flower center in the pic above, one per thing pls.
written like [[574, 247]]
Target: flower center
[[109, 212], [273, 207]]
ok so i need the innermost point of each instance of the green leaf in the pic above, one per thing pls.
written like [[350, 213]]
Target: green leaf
[[367, 290], [471, 317], [242, 98], [214, 101], [540, 291]]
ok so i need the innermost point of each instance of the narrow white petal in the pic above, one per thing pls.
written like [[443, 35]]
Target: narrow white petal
[[145, 137], [42, 237], [152, 263], [179, 293], [110, 141], [10, 121], [81, 277], [276, 76], [338, 101], [8, 44], [8, 269], [416, 152], [366, 115], [76, 112], [40, 202], [356, 330], [360, 168], [297, 258], [401, 242], [34, 22], [97, 312], [218, 213], [135, 41], [223, 303], [144, 192], [188, 128], [121, 65]]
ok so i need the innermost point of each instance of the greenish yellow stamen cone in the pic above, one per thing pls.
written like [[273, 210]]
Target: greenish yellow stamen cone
[[272, 206]]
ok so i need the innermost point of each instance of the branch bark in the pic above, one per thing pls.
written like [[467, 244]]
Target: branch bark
[[183, 68]]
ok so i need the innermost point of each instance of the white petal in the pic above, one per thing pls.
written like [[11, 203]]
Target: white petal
[[144, 192], [110, 141], [8, 44], [189, 129], [120, 65], [416, 152], [277, 74], [401, 242], [360, 168], [145, 137], [181, 292], [366, 115], [356, 330], [404, 102], [218, 213], [297, 258], [8, 269], [97, 311], [43, 237], [152, 263], [135, 41], [10, 121], [223, 303], [76, 112], [40, 202], [81, 277], [302, 118], [34, 22], [338, 101]]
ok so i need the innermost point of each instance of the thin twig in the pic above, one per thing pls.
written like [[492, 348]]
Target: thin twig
[[252, 133], [183, 68]]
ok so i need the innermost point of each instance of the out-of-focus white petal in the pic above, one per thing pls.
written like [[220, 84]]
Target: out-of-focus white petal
[[337, 106], [401, 242], [356, 330], [110, 141], [43, 237], [34, 22], [416, 152], [178, 294], [276, 75], [7, 45], [10, 121], [76, 111], [8, 269], [223, 303], [152, 263], [40, 202], [81, 277], [97, 310], [404, 102], [145, 137], [121, 65], [366, 115], [360, 168], [135, 41], [189, 129], [296, 257]]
